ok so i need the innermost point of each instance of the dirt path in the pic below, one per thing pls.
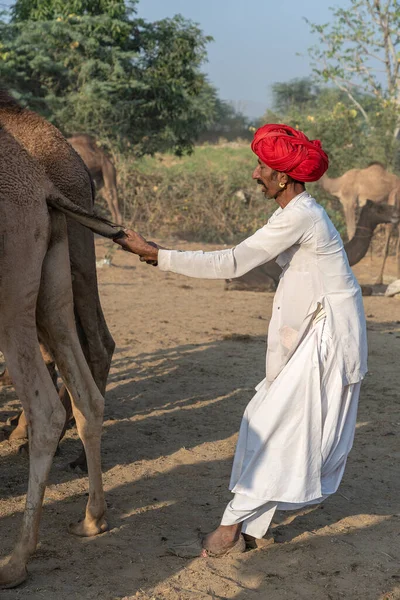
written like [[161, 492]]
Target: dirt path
[[188, 357]]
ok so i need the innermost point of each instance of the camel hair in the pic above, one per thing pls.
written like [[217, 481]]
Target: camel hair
[[355, 186], [69, 174], [36, 295], [101, 169], [266, 276]]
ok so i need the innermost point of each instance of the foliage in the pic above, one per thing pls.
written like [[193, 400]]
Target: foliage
[[358, 51], [228, 123], [45, 10], [298, 93], [208, 196], [329, 115], [194, 197], [101, 70]]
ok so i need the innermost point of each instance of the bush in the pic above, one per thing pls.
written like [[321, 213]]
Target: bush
[[207, 197]]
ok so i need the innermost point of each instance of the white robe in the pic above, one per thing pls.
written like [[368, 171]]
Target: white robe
[[274, 469], [315, 270], [299, 427]]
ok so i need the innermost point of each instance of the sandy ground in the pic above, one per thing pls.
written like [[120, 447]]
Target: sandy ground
[[187, 359]]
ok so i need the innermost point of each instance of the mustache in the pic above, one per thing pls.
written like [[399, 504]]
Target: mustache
[[259, 182]]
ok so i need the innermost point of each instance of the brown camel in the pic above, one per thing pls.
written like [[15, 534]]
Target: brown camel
[[101, 169], [354, 187], [265, 278], [67, 171], [357, 185], [36, 296]]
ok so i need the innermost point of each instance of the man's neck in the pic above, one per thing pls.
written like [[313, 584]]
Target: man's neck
[[291, 191]]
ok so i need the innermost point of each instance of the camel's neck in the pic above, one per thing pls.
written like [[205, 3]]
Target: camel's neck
[[357, 247]]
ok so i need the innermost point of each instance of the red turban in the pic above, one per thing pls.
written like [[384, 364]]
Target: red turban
[[288, 150]]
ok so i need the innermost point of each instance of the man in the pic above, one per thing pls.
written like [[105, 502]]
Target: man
[[298, 429]]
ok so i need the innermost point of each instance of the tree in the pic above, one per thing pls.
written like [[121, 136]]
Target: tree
[[228, 122], [359, 51], [101, 70], [298, 92], [45, 10], [327, 113]]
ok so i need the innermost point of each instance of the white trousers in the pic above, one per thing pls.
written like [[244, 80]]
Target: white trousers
[[338, 413]]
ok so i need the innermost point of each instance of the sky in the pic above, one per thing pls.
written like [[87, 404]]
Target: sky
[[256, 42]]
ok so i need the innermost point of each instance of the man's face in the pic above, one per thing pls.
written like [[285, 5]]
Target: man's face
[[267, 178]]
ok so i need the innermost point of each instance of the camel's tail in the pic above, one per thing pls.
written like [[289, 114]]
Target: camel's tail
[[94, 222]]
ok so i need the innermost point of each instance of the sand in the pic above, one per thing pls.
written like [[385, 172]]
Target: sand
[[187, 359]]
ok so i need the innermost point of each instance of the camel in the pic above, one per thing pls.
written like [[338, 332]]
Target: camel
[[101, 169], [266, 277], [357, 185], [69, 174], [36, 296]]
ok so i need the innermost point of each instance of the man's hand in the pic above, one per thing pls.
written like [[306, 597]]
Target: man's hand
[[135, 243]]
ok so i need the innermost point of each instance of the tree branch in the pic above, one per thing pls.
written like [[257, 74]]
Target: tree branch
[[351, 97]]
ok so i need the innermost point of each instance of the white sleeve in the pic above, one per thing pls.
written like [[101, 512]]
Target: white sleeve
[[265, 244]]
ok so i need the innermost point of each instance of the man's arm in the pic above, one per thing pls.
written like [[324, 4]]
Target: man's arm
[[267, 243]]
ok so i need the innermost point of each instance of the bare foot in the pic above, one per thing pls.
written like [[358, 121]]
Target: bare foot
[[222, 539]]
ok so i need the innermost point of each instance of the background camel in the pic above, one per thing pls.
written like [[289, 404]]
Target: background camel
[[66, 170], [36, 295], [266, 276], [356, 186], [101, 169]]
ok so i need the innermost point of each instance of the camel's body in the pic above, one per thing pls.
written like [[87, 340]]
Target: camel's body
[[68, 173], [357, 186], [101, 169], [266, 277], [36, 297], [37, 165]]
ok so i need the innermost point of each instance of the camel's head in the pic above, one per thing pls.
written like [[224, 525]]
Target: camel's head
[[380, 212]]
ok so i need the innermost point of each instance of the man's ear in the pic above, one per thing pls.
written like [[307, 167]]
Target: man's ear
[[283, 178]]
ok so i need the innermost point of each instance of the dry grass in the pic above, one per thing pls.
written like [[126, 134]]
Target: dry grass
[[196, 197]]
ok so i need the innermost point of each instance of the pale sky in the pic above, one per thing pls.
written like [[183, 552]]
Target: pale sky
[[255, 41]]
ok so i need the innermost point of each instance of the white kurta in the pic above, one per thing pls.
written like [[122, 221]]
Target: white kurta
[[315, 270], [298, 429], [306, 467]]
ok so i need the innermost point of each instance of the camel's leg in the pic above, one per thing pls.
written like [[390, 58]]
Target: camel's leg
[[110, 190], [96, 341], [21, 258], [398, 252], [56, 321], [388, 232], [45, 417], [21, 430]]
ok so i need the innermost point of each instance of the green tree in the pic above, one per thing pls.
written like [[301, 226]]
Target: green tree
[[359, 51], [228, 122], [299, 92], [328, 114], [45, 10], [99, 69]]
